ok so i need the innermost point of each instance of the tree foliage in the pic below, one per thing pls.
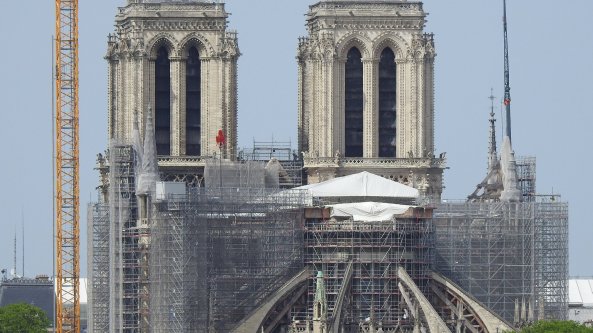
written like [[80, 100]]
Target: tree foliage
[[557, 326], [23, 318]]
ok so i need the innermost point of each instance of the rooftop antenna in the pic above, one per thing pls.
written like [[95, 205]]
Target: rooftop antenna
[[14, 275], [23, 240], [507, 86], [492, 155]]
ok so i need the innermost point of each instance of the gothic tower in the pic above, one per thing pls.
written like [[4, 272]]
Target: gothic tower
[[366, 97], [178, 57]]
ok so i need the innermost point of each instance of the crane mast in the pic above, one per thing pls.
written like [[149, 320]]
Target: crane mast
[[507, 84], [67, 168]]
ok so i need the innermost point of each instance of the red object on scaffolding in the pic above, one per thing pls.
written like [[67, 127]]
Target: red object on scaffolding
[[220, 139]]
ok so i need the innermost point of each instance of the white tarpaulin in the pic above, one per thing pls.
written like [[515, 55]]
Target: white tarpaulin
[[368, 211], [363, 184]]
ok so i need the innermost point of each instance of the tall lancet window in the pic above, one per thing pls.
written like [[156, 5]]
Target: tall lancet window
[[162, 101], [192, 103], [387, 104], [353, 105]]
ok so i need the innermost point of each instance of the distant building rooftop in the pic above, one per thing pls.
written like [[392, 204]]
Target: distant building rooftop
[[37, 292], [580, 292]]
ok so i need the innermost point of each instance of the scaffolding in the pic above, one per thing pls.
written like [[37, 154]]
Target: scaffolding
[[217, 253], [551, 256], [510, 256], [123, 240], [227, 174], [291, 171], [98, 267], [526, 177], [204, 259], [376, 250]]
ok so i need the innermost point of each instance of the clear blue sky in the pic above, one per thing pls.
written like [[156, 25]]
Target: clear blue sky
[[551, 78]]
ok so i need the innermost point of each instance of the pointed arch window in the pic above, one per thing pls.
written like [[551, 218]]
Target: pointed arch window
[[193, 103], [162, 101], [353, 104], [387, 103]]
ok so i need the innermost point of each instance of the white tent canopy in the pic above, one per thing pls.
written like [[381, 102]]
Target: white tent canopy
[[363, 184]]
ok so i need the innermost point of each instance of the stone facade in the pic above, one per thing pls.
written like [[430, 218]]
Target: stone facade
[[142, 29], [334, 28]]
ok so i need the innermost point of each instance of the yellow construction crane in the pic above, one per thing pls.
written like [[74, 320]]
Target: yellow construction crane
[[67, 169]]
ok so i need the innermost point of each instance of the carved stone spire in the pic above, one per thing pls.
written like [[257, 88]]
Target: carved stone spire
[[149, 173], [510, 192], [320, 306], [137, 141]]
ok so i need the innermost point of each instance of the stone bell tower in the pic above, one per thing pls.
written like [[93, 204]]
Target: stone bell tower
[[177, 57], [366, 93]]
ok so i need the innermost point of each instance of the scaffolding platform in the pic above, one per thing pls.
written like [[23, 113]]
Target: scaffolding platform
[[513, 257], [217, 253], [375, 250]]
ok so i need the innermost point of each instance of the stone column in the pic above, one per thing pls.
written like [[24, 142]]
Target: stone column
[[328, 113], [412, 110], [315, 112], [182, 106], [206, 128], [231, 106], [340, 120], [308, 113], [133, 96], [126, 76], [421, 108], [307, 105], [370, 113], [402, 111], [112, 92], [429, 104], [150, 88], [176, 105], [139, 102], [120, 97], [318, 108], [301, 123]]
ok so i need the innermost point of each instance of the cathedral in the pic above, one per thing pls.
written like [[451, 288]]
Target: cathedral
[[189, 235], [365, 98]]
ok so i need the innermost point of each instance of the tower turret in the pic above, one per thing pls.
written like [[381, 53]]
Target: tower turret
[[179, 57], [366, 92], [320, 306]]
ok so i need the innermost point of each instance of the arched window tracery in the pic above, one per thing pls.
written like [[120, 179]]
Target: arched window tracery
[[193, 103], [162, 101], [387, 104], [353, 104]]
